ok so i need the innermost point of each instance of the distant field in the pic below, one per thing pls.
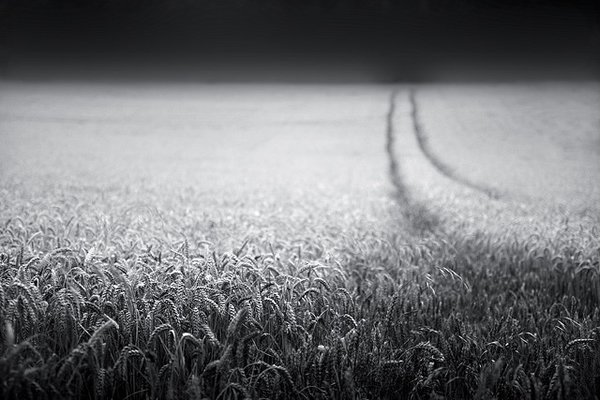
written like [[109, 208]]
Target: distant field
[[539, 141], [234, 241]]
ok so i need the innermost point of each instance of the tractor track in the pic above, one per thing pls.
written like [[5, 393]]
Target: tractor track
[[420, 217], [421, 220], [439, 165]]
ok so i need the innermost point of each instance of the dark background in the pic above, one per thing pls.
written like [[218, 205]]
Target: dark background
[[300, 40]]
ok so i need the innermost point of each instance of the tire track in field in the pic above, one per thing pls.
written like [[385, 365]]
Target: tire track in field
[[420, 217], [443, 168], [421, 220], [400, 189]]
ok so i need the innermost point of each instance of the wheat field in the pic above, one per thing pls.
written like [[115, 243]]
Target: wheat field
[[248, 255]]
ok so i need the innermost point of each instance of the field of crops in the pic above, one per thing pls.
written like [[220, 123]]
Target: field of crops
[[271, 248]]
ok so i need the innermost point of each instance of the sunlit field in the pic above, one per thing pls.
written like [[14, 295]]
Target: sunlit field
[[296, 242]]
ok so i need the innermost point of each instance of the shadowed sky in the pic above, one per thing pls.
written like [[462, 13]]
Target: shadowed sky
[[305, 39]]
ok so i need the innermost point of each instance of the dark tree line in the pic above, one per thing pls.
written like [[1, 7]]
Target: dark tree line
[[358, 25], [422, 6]]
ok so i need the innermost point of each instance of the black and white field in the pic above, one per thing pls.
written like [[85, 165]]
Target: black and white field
[[164, 240]]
